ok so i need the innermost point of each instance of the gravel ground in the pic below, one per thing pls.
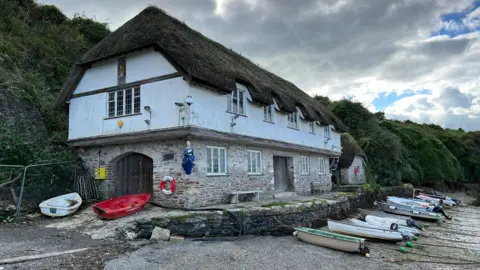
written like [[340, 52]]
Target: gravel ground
[[260, 253], [19, 239], [452, 241], [457, 240]]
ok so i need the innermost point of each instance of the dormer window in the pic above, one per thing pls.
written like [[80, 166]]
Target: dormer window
[[311, 127], [121, 71], [268, 113], [293, 120], [236, 100], [326, 132]]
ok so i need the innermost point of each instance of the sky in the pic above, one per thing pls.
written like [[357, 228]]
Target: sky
[[412, 59]]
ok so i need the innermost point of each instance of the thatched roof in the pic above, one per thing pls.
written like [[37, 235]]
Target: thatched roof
[[350, 149], [202, 61]]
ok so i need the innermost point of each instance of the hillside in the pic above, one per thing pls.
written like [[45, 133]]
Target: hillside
[[38, 46], [404, 151]]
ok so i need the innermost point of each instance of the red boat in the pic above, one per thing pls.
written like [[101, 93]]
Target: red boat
[[121, 206]]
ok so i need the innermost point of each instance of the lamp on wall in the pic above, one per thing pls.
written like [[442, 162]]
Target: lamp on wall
[[189, 100]]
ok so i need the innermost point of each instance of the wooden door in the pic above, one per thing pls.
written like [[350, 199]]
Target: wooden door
[[134, 175], [280, 174]]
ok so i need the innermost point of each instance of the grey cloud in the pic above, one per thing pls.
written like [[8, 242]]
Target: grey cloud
[[451, 97]]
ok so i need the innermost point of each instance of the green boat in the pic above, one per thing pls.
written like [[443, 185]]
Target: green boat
[[332, 240]]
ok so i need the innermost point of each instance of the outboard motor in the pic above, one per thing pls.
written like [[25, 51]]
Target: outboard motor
[[412, 223], [439, 209]]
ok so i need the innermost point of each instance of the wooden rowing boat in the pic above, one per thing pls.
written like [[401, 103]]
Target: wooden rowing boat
[[367, 231], [121, 206], [332, 240], [416, 214]]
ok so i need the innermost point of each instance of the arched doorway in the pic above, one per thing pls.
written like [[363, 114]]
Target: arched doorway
[[134, 175]]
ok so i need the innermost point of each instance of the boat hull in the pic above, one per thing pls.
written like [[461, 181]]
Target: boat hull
[[330, 242], [61, 206], [121, 206], [364, 231], [385, 223], [423, 215]]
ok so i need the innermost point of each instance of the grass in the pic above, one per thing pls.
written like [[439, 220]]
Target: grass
[[282, 204]]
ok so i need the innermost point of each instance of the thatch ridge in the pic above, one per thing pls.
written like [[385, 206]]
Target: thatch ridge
[[204, 61], [350, 149]]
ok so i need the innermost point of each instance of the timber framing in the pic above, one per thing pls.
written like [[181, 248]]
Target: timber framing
[[128, 85], [192, 133]]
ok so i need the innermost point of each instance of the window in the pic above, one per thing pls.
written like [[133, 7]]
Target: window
[[268, 113], [121, 71], [326, 131], [304, 165], [322, 166], [216, 160], [311, 127], [236, 100], [293, 120], [124, 102], [254, 162]]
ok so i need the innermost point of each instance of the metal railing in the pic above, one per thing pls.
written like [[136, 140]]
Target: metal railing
[[25, 168]]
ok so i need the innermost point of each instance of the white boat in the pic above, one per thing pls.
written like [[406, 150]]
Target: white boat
[[332, 240], [405, 211], [401, 219], [409, 202], [435, 201], [364, 230], [61, 206], [386, 223]]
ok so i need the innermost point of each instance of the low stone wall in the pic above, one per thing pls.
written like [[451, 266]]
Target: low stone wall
[[266, 220]]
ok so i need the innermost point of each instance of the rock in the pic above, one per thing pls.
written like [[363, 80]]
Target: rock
[[143, 221], [160, 234], [176, 238], [144, 234], [146, 226], [130, 235]]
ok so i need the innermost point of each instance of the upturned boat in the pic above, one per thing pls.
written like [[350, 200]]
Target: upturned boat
[[61, 206], [365, 230], [121, 206], [416, 214], [332, 240]]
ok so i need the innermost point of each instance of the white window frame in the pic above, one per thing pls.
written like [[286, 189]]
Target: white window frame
[[322, 169], [268, 112], [240, 96], [210, 162], [115, 102], [292, 119], [304, 165], [326, 132], [255, 163], [311, 127]]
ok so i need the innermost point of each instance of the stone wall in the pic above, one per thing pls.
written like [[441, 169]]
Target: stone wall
[[199, 189], [348, 176], [268, 221]]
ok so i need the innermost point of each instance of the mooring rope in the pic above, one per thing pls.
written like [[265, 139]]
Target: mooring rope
[[444, 246]]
